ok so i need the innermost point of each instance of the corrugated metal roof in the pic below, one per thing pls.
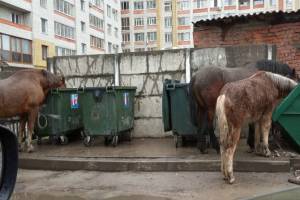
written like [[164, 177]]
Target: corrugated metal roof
[[292, 15]]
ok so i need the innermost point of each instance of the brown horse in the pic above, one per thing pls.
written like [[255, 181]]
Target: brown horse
[[205, 87], [251, 100], [21, 94]]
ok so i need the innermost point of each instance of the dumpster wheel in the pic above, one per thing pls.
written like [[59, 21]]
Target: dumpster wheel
[[63, 140], [88, 141], [39, 140], [178, 140]]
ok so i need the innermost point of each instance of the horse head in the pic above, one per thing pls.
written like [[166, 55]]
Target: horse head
[[53, 81]]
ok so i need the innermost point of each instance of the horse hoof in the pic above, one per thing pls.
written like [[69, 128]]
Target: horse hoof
[[21, 147], [231, 180], [250, 150], [30, 149], [267, 153]]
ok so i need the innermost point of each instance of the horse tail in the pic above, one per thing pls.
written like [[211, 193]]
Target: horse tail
[[221, 120]]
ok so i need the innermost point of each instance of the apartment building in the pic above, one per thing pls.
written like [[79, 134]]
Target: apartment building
[[165, 24], [32, 30]]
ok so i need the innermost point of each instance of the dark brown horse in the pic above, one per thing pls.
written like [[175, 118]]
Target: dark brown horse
[[205, 87], [251, 100], [21, 94]]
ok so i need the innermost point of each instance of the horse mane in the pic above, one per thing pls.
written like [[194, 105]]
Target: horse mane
[[282, 83], [275, 67]]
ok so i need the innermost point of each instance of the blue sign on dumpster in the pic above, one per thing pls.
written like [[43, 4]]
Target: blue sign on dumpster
[[74, 101]]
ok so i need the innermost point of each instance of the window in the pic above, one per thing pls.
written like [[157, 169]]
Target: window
[[139, 21], [151, 36], [242, 2], [116, 48], [139, 49], [82, 26], [44, 52], [108, 11], [96, 22], [124, 5], [116, 32], [202, 3], [64, 7], [17, 19], [96, 42], [125, 37], [5, 52], [16, 50], [83, 48], [109, 47], [109, 29], [151, 20], [139, 37], [125, 23], [232, 2], [126, 50], [43, 3], [60, 51], [13, 49], [168, 22], [183, 5], [183, 21], [138, 5], [82, 5], [168, 6], [289, 4], [168, 37], [64, 30], [151, 4], [115, 14], [273, 2], [97, 3], [26, 50], [184, 36], [44, 25]]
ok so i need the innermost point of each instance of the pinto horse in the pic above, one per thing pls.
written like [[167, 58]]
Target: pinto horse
[[21, 94], [251, 100], [205, 87]]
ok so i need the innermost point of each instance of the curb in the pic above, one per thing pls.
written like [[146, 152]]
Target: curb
[[148, 165]]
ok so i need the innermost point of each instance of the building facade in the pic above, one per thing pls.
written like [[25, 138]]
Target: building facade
[[165, 24], [32, 30]]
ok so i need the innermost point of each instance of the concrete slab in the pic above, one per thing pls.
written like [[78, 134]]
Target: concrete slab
[[144, 155]]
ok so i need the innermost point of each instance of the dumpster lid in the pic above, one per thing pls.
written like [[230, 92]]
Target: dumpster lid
[[110, 87], [286, 102]]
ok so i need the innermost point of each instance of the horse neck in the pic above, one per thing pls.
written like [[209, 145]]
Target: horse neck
[[282, 83]]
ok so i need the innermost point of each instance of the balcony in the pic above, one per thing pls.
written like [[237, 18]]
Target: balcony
[[19, 5]]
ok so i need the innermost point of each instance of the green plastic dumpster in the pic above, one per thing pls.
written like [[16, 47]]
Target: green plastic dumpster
[[60, 115], [107, 112], [287, 114], [176, 111]]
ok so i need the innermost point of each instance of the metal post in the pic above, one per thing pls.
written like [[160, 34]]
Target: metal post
[[187, 66]]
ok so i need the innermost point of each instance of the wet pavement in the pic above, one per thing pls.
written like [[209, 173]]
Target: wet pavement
[[79, 185]]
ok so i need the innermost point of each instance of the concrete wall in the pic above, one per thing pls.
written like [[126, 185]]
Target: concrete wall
[[147, 71]]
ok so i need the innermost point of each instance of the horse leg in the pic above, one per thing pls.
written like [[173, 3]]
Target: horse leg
[[31, 121], [201, 139], [229, 153], [265, 127], [223, 162], [257, 138], [250, 139], [22, 133]]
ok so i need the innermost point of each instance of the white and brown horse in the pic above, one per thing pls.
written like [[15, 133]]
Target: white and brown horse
[[251, 100], [21, 94]]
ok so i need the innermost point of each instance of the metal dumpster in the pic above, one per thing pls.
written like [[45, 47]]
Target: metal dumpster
[[107, 112], [176, 111], [60, 115], [287, 114]]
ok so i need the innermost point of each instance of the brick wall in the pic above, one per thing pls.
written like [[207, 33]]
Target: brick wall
[[286, 38]]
